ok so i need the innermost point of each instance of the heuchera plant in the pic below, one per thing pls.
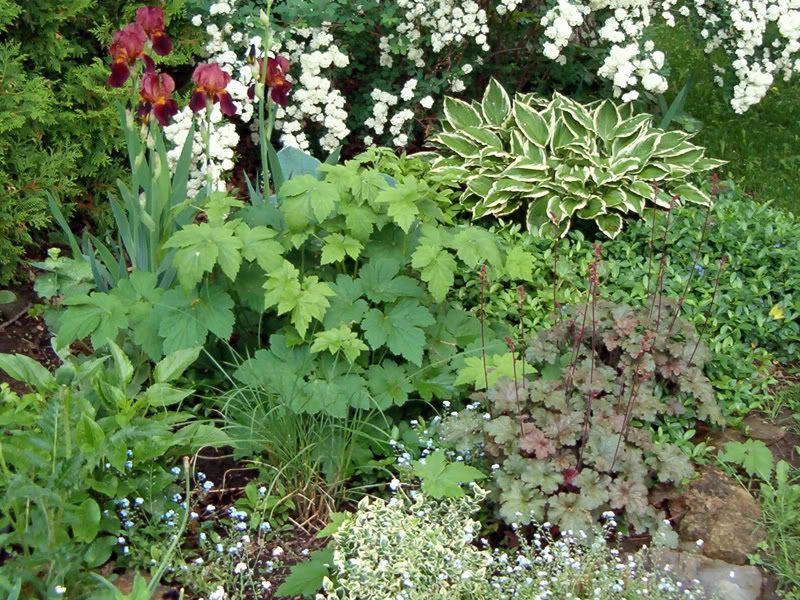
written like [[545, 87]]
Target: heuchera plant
[[577, 439]]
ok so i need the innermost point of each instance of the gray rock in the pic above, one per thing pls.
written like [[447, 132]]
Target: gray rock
[[723, 514], [714, 576]]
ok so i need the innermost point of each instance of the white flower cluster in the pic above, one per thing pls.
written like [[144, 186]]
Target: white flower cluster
[[440, 23], [760, 37], [314, 100], [397, 123], [223, 141]]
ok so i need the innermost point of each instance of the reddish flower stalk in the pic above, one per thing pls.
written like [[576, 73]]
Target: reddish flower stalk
[[722, 263], [692, 271], [521, 309], [662, 266], [594, 284], [482, 319], [512, 348], [556, 307], [210, 83], [652, 237]]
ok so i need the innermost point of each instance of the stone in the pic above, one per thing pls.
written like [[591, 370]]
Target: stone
[[723, 514], [759, 429], [714, 576]]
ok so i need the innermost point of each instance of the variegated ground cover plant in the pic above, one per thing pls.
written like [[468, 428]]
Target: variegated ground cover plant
[[579, 434], [558, 160]]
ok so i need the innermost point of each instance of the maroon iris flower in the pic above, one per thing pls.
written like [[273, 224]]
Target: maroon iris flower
[[279, 86], [126, 48], [156, 94], [151, 19], [210, 83]]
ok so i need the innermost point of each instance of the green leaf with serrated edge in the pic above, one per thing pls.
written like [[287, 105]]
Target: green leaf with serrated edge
[[99, 316], [475, 245], [200, 247], [389, 384], [283, 288], [441, 479], [342, 339], [259, 245], [306, 198], [173, 365], [460, 114], [185, 319], [532, 124], [519, 264], [311, 304], [336, 246], [305, 578], [380, 283], [496, 105], [399, 328], [497, 366], [437, 268], [752, 455], [401, 202]]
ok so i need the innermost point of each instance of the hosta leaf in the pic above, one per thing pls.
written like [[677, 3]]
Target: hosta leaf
[[483, 136], [460, 144], [496, 104], [593, 209], [526, 169], [610, 224], [532, 124], [460, 114], [606, 119], [690, 193]]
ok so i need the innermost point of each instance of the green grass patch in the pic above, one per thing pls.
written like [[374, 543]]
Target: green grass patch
[[762, 145]]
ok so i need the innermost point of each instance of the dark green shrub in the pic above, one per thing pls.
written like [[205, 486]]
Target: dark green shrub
[[59, 130]]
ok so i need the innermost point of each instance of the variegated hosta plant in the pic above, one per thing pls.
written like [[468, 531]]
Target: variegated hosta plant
[[585, 434], [558, 160]]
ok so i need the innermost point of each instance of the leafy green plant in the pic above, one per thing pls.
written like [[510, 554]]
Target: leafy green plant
[[86, 435], [781, 519], [577, 438], [752, 456], [560, 160]]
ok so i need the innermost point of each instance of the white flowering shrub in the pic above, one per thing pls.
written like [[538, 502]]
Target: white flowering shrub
[[421, 549], [373, 73]]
